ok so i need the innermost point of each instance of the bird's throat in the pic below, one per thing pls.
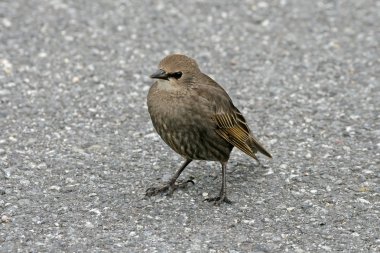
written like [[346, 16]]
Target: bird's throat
[[167, 85]]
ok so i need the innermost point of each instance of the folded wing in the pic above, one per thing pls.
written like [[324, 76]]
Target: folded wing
[[230, 123], [233, 128]]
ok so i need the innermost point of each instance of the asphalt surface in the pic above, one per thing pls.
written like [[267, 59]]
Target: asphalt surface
[[78, 150]]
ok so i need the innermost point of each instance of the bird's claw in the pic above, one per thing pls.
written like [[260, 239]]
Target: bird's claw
[[151, 191], [219, 200], [168, 188]]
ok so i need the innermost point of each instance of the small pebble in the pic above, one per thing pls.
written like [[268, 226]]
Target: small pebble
[[5, 219]]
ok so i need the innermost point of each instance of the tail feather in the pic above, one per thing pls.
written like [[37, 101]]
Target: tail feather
[[256, 145]]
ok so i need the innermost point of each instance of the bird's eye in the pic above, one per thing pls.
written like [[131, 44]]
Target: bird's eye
[[176, 75]]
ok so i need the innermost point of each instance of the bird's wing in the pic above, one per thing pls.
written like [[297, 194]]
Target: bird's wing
[[234, 132], [230, 123], [233, 128]]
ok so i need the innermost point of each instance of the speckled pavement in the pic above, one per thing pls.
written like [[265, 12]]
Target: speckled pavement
[[78, 150]]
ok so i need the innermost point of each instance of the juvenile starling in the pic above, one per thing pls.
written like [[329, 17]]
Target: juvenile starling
[[195, 116]]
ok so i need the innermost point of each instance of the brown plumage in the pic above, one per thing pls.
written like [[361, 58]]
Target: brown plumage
[[195, 116]]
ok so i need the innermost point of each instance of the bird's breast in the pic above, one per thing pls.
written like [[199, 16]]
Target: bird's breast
[[186, 126]]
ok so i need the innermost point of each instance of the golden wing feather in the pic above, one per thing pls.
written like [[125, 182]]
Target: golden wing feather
[[231, 125], [232, 130]]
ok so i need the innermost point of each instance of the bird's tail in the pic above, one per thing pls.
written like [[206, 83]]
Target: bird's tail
[[256, 145]]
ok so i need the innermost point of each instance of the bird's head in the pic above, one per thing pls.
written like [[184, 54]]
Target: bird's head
[[176, 69]]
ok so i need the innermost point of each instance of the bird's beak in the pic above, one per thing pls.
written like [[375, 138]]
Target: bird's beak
[[160, 74]]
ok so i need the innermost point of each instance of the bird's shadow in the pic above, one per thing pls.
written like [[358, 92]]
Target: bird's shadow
[[247, 169]]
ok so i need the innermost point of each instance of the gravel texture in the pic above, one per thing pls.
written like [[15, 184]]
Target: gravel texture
[[78, 150]]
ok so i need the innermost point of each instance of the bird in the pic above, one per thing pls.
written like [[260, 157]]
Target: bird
[[195, 117]]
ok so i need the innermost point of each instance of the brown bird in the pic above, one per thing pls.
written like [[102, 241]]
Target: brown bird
[[195, 116]]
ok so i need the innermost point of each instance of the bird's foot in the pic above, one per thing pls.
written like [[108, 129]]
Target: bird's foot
[[151, 191], [219, 200], [168, 188]]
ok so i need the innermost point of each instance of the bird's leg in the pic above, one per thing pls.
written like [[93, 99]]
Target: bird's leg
[[223, 191], [172, 183], [170, 186]]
